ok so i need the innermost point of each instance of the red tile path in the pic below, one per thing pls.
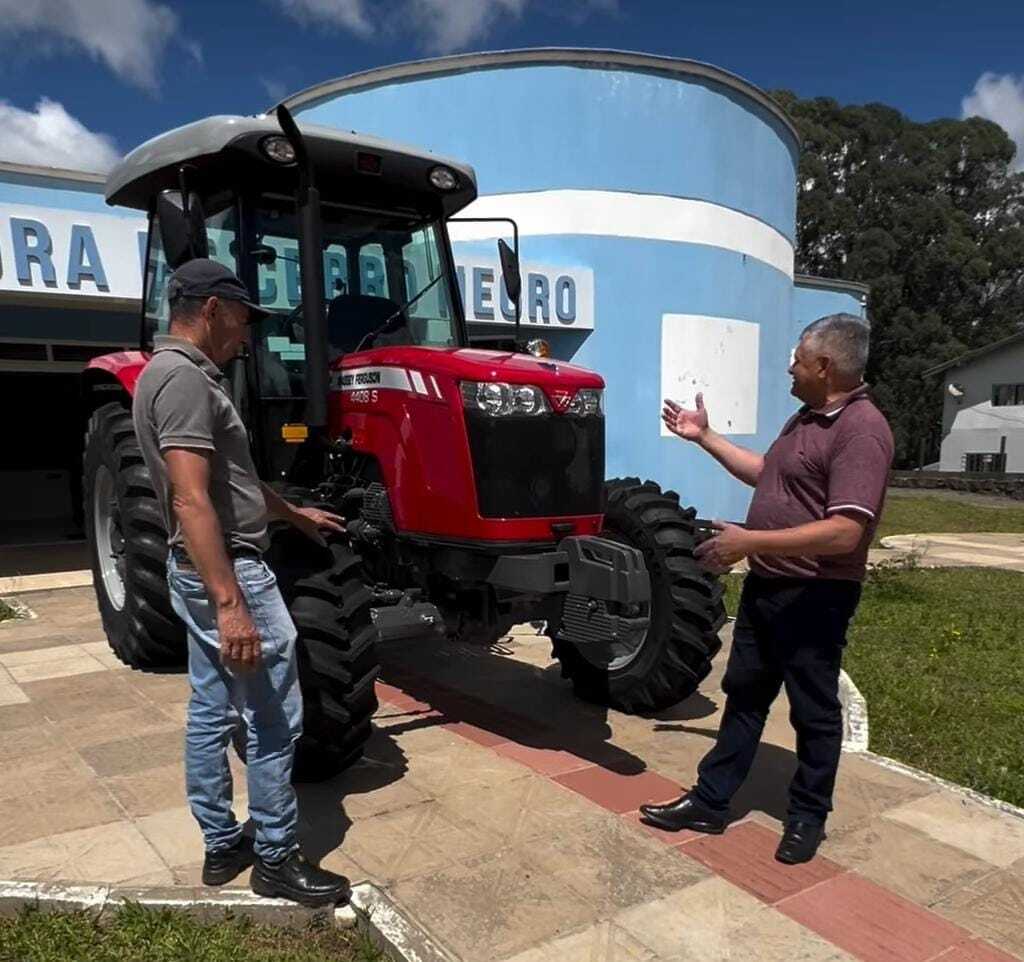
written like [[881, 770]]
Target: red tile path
[[862, 918], [619, 793], [544, 761], [871, 922], [745, 856]]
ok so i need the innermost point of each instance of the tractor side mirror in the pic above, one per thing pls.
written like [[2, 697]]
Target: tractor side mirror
[[510, 271], [182, 231]]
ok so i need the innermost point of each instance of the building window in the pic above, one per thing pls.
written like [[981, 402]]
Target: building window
[[1005, 395], [985, 463]]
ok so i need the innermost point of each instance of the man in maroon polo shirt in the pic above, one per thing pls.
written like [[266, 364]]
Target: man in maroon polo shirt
[[818, 495]]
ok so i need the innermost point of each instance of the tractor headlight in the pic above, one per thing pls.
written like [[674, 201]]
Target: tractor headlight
[[589, 401], [501, 400], [444, 178]]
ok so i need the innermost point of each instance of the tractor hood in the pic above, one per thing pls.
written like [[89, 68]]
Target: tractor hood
[[473, 364]]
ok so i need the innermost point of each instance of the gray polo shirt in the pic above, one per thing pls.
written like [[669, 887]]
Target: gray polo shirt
[[182, 401]]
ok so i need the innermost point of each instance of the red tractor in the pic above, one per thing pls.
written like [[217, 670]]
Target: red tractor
[[472, 480]]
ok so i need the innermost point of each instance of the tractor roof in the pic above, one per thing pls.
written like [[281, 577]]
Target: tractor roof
[[224, 153]]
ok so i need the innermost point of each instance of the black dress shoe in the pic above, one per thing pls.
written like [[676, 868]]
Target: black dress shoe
[[799, 842], [221, 867], [685, 812], [300, 881]]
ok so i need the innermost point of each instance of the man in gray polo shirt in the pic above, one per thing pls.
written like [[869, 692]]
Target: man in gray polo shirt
[[241, 639], [818, 495]]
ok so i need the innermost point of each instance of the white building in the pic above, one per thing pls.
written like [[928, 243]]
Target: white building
[[983, 409]]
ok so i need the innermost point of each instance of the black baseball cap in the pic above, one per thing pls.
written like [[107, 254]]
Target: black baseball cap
[[203, 277]]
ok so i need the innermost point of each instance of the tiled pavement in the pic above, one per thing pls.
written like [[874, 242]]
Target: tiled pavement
[[501, 813]]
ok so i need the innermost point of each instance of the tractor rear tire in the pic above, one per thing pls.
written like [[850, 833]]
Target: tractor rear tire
[[686, 609], [336, 651], [128, 546]]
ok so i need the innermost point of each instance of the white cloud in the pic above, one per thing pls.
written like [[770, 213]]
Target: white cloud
[[350, 14], [448, 25], [441, 26], [1000, 98], [129, 36], [275, 89], [51, 137]]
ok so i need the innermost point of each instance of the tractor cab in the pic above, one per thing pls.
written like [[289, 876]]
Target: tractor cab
[[234, 189]]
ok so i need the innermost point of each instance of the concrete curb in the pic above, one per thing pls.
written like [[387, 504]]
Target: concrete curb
[[393, 930], [20, 584], [855, 739], [987, 801], [369, 910], [855, 715]]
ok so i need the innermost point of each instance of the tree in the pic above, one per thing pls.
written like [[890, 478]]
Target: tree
[[931, 216]]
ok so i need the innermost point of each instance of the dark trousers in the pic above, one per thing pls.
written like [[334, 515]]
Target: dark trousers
[[788, 632]]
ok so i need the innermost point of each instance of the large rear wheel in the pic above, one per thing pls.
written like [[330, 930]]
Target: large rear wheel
[[337, 651], [660, 665], [128, 546]]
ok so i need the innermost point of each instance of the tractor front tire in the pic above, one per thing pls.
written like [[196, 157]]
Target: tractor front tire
[[336, 651], [128, 546], [686, 609]]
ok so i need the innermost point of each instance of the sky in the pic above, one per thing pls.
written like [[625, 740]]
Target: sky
[[83, 81]]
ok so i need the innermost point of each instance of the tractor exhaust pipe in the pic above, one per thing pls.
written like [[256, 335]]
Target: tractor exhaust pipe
[[311, 261]]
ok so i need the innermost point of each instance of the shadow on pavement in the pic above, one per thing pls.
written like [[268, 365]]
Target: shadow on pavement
[[323, 821], [558, 720], [767, 786], [477, 695]]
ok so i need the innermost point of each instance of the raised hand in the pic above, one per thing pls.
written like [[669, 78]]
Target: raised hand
[[689, 425]]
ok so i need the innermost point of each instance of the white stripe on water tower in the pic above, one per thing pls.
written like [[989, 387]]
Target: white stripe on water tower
[[610, 213]]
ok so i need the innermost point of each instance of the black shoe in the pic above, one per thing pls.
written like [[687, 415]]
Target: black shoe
[[799, 842], [300, 881], [221, 867], [685, 812]]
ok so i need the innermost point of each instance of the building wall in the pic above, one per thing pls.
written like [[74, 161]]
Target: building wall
[[676, 191], [814, 298], [971, 424]]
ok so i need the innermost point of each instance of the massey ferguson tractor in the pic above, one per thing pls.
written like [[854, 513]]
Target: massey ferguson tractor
[[472, 481]]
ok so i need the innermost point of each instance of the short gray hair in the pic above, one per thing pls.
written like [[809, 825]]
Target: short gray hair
[[184, 309], [844, 338]]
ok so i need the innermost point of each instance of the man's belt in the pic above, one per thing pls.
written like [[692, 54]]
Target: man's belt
[[182, 559]]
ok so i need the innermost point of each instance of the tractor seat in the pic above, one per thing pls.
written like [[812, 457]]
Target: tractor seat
[[350, 317]]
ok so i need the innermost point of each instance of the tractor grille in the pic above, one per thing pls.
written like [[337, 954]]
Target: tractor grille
[[537, 467]]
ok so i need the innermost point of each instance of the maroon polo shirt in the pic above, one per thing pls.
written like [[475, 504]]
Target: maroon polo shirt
[[829, 461]]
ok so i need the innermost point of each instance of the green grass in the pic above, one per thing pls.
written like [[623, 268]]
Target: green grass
[[937, 515], [937, 654], [135, 934], [6, 611]]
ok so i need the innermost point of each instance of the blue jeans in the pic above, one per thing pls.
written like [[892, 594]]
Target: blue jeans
[[266, 701]]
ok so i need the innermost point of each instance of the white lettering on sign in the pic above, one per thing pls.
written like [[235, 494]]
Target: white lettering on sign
[[558, 298], [70, 252], [44, 249]]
